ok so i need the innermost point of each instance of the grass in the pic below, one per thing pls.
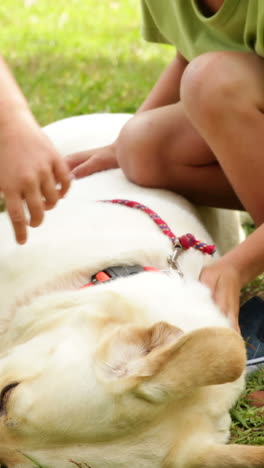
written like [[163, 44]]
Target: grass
[[77, 57], [248, 422], [35, 462]]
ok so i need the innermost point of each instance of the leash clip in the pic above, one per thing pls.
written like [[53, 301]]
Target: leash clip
[[172, 259]]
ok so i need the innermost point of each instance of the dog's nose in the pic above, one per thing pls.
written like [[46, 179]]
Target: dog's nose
[[5, 395]]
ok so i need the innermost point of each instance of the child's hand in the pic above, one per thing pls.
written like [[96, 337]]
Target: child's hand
[[225, 285], [31, 171], [95, 160]]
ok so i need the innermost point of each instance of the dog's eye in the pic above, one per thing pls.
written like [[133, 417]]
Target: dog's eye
[[5, 394]]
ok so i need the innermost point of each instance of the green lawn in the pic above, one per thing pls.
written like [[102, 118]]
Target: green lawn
[[75, 56], [82, 56]]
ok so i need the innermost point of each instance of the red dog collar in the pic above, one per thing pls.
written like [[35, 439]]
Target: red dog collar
[[179, 244], [108, 274]]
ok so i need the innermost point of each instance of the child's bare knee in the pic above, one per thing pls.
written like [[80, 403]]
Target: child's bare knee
[[133, 149], [210, 85]]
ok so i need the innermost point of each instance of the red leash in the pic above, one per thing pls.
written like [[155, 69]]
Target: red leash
[[185, 242], [179, 243]]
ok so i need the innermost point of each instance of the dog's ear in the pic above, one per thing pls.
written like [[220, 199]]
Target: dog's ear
[[161, 360], [123, 356]]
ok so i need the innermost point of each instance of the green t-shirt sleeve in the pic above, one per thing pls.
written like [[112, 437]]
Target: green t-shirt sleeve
[[149, 28]]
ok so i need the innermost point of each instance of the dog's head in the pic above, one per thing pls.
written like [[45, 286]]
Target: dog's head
[[96, 375]]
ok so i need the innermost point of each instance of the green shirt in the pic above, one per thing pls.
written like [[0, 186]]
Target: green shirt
[[237, 26]]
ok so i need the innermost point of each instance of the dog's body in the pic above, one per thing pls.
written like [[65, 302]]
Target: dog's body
[[140, 371]]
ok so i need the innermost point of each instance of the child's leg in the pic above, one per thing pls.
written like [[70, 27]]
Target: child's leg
[[223, 96], [161, 148]]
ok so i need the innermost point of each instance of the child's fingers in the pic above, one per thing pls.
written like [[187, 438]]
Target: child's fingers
[[232, 316], [95, 164], [35, 204], [49, 192], [14, 206], [62, 176], [75, 159], [227, 300], [85, 169]]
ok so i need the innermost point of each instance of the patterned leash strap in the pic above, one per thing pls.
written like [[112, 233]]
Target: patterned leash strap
[[183, 242]]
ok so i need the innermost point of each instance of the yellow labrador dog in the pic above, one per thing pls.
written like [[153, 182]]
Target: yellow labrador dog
[[109, 356]]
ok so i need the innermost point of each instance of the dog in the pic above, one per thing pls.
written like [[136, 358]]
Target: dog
[[112, 353]]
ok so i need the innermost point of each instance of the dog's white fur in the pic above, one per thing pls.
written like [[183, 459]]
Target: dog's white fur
[[141, 371]]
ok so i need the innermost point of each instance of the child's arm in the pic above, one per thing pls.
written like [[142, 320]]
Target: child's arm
[[30, 167], [234, 270], [166, 91]]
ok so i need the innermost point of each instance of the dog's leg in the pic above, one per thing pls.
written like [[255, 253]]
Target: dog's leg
[[228, 456]]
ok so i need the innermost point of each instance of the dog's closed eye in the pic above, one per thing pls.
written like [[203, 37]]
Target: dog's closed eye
[[5, 395]]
